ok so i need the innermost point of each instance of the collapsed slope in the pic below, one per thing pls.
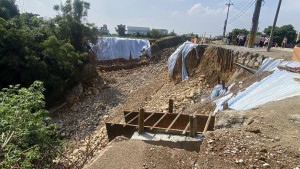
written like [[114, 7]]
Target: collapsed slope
[[112, 92]]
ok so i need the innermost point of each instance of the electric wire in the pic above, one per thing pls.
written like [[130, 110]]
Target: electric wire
[[239, 26], [241, 5], [243, 11]]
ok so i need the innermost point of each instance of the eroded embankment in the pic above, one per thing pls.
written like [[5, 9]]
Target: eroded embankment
[[147, 86]]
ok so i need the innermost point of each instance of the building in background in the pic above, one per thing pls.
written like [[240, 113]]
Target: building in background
[[103, 30], [162, 31], [135, 29]]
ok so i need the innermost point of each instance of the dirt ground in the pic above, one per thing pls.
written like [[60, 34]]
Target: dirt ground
[[104, 98], [264, 137]]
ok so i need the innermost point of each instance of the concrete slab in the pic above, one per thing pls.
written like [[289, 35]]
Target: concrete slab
[[172, 141]]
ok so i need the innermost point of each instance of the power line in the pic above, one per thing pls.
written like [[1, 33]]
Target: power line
[[241, 22], [243, 11], [239, 7], [239, 26]]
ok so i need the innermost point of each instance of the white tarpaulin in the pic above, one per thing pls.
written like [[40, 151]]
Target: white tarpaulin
[[279, 85], [186, 47], [109, 48]]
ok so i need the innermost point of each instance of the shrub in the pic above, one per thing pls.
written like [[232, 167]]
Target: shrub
[[24, 128]]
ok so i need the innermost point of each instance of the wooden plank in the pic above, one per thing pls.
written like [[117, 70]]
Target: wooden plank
[[207, 123], [193, 126], [163, 130], [141, 121], [149, 116], [170, 106], [253, 71], [173, 122], [186, 128], [119, 121], [223, 84], [158, 121], [225, 106], [128, 114], [131, 120], [287, 68]]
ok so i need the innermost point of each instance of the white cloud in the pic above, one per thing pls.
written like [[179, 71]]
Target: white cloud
[[199, 9], [175, 13], [195, 9]]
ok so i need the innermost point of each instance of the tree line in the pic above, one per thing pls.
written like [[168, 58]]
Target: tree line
[[279, 33], [50, 50]]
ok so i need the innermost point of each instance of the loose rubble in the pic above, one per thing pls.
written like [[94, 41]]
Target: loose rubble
[[240, 142]]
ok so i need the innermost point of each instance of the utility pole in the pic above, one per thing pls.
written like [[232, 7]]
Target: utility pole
[[225, 24], [255, 19], [273, 28]]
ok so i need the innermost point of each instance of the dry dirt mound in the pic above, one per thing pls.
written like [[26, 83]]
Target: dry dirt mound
[[217, 62], [213, 62], [191, 62]]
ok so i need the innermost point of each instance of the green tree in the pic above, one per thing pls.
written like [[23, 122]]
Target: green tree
[[71, 27], [8, 9], [237, 31], [120, 29], [137, 34], [148, 35], [281, 32], [49, 50], [24, 128], [172, 33], [80, 9], [155, 34]]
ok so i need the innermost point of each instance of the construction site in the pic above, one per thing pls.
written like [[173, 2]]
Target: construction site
[[173, 84], [184, 105]]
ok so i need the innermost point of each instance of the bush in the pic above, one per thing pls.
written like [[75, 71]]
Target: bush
[[155, 34], [24, 128]]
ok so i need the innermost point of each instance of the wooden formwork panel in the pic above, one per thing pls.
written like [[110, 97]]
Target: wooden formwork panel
[[179, 124], [170, 123]]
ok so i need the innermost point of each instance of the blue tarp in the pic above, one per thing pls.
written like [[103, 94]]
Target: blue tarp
[[186, 47], [108, 48]]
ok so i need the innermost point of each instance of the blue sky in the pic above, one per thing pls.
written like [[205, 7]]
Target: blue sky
[[184, 16]]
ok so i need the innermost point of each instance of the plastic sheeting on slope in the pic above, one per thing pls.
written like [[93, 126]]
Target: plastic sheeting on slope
[[186, 47], [270, 64], [109, 48], [277, 86]]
